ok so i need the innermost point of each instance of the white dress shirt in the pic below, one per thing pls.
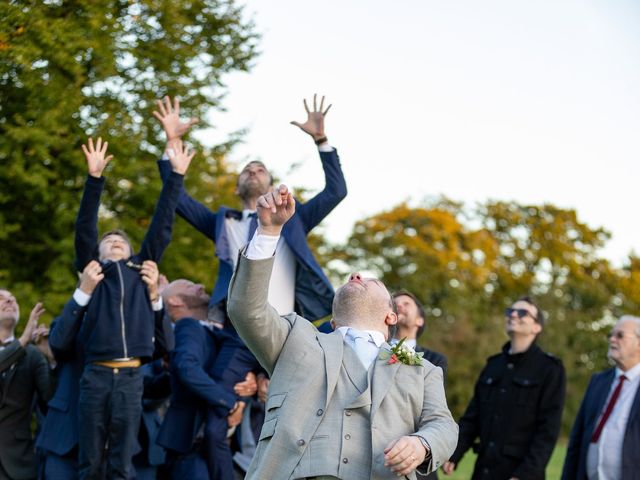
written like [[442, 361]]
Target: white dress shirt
[[283, 277], [604, 459]]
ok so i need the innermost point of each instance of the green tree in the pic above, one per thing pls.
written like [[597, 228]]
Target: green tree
[[70, 69], [468, 264]]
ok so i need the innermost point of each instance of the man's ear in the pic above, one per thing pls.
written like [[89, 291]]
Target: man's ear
[[391, 318], [537, 328], [174, 301], [420, 322]]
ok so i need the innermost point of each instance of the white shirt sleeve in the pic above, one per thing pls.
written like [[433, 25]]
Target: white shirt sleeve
[[81, 298], [157, 305], [262, 246], [325, 147]]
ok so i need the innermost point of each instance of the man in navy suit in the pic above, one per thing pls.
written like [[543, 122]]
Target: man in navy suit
[[195, 392], [307, 291], [605, 439]]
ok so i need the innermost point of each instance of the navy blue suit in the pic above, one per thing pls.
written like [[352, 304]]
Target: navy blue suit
[[58, 438], [575, 464], [313, 291], [194, 392]]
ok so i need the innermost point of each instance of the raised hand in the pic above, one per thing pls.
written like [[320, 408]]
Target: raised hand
[[96, 160], [35, 315], [150, 275], [274, 209], [91, 276], [180, 156], [248, 387], [314, 125], [169, 117]]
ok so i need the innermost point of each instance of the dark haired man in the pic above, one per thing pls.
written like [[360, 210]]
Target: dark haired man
[[517, 404], [411, 325]]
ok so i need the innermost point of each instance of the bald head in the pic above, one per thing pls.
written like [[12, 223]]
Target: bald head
[[183, 298], [363, 303]]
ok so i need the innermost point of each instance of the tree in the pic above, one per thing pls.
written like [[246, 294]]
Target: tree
[[467, 265], [71, 69]]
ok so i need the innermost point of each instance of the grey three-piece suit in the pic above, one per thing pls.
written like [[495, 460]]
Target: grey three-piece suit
[[326, 415]]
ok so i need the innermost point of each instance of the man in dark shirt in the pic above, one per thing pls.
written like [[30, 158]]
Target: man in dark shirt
[[517, 405]]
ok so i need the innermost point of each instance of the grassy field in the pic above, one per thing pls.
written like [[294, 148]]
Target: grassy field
[[465, 469]]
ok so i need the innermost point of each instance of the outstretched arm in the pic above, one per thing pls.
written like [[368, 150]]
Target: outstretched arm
[[257, 323], [315, 210], [198, 215], [86, 237], [158, 235]]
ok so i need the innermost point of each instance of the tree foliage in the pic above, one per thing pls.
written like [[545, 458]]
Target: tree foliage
[[70, 69], [467, 265]]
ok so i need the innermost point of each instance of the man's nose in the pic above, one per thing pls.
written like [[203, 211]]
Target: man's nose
[[355, 277]]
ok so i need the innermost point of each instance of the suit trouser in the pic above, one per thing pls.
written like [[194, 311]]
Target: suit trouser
[[187, 466], [60, 466], [110, 406]]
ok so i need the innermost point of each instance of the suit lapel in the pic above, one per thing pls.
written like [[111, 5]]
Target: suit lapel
[[333, 346], [381, 380]]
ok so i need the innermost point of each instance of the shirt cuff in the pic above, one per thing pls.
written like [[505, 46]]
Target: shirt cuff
[[157, 305], [262, 246], [165, 156], [81, 298], [325, 147]]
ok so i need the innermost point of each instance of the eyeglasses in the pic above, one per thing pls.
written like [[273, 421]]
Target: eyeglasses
[[619, 334], [520, 312]]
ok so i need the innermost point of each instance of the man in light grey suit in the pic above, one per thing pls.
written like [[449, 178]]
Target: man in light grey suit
[[338, 405]]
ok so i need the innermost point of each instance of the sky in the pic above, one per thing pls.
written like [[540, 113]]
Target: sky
[[537, 102]]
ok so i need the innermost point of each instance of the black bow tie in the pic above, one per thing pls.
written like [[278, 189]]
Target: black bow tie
[[237, 214]]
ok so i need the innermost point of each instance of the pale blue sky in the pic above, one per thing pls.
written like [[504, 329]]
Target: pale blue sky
[[528, 101]]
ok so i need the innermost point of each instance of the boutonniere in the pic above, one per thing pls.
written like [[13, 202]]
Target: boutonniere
[[401, 353]]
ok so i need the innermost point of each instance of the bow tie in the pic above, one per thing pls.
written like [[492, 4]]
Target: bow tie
[[237, 214]]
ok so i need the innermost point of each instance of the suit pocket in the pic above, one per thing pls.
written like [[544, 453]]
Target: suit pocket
[[527, 391], [268, 429]]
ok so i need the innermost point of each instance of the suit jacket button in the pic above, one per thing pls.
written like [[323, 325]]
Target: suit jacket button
[[345, 460], [348, 414], [347, 437], [319, 412], [301, 442]]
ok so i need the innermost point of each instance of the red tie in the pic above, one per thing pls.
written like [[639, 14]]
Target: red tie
[[608, 410]]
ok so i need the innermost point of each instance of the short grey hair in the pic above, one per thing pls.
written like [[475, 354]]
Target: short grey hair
[[631, 318]]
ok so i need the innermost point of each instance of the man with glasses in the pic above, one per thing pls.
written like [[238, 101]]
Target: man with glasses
[[605, 439], [513, 419]]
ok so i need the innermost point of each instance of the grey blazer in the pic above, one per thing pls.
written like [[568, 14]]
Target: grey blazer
[[304, 365]]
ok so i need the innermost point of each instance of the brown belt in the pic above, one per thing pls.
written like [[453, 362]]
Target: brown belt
[[133, 363]]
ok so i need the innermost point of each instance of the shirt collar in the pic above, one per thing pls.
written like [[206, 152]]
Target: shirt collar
[[246, 213], [631, 374], [377, 336]]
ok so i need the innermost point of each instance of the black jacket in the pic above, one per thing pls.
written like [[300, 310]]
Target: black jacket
[[120, 321], [515, 413]]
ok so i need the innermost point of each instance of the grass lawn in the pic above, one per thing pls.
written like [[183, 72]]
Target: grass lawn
[[465, 469]]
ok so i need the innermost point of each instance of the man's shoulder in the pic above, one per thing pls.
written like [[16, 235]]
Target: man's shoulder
[[434, 357]]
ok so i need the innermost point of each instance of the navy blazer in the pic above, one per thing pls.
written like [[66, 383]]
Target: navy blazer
[[575, 463], [314, 293], [193, 389], [59, 433]]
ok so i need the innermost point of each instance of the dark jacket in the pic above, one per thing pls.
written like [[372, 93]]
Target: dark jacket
[[438, 359], [314, 293], [120, 322], [59, 432], [515, 413], [23, 373], [575, 463], [193, 389]]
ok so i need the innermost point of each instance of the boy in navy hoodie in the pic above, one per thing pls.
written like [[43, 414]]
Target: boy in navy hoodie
[[118, 328]]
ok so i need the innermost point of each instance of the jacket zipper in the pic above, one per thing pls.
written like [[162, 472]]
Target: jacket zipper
[[124, 335]]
